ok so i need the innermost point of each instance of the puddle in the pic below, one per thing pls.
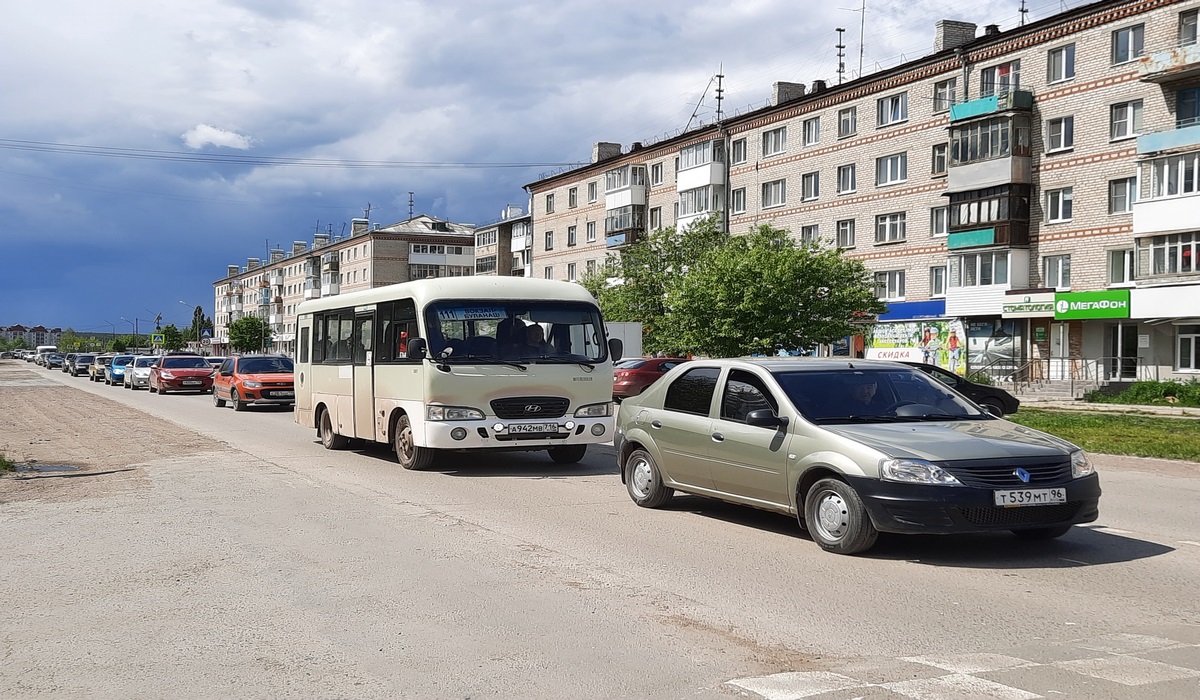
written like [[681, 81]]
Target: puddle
[[46, 468]]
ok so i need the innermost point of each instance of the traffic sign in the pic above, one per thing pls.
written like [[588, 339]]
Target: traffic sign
[[157, 338], [205, 333]]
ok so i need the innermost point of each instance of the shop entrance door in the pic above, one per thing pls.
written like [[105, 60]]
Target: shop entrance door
[[1122, 351], [1059, 350]]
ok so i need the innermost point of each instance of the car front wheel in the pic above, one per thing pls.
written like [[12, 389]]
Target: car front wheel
[[644, 481], [408, 453], [836, 518], [238, 404]]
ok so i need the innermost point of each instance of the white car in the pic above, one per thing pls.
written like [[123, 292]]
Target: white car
[[137, 372]]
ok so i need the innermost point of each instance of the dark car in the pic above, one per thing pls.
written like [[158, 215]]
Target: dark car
[[254, 379], [69, 361], [54, 361], [181, 373], [991, 398], [634, 375], [80, 364]]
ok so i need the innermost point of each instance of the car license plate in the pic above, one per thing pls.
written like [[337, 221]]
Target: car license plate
[[1030, 497], [533, 428], [192, 382], [283, 394]]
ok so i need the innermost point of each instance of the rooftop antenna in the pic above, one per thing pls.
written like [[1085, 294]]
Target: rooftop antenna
[[317, 228], [1024, 11], [367, 211], [841, 54], [410, 205], [699, 102], [862, 27], [720, 90]]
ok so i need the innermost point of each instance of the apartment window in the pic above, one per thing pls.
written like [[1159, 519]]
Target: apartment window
[[656, 174], [1121, 195], [1171, 254], [990, 138], [656, 218], [939, 158], [892, 109], [1000, 79], [939, 221], [847, 122], [812, 131], [1057, 271], [591, 267], [1175, 175], [571, 272], [845, 233], [891, 228], [548, 272], [1120, 266], [1058, 205], [737, 201], [549, 240], [550, 204], [572, 197], [572, 238], [944, 95], [737, 152], [810, 233], [1189, 348], [892, 169], [1127, 43], [846, 179], [810, 186], [1060, 64], [693, 201], [1125, 120], [774, 193], [889, 285], [937, 281], [591, 232], [1187, 27], [774, 141], [591, 192], [979, 269], [1187, 107], [1060, 134], [701, 154]]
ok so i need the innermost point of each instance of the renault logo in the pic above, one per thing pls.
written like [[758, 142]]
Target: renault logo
[[1022, 475], [534, 408]]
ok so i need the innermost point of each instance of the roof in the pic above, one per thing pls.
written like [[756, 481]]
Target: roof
[[806, 364], [473, 287]]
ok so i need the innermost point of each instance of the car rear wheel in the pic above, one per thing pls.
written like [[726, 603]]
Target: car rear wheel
[[217, 400], [644, 482], [836, 518], [992, 406], [330, 439], [1042, 533], [567, 454], [408, 453], [238, 404]]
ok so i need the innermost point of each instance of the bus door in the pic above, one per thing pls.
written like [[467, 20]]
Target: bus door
[[364, 381]]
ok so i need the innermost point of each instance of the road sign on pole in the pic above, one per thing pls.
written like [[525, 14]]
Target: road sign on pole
[[157, 338]]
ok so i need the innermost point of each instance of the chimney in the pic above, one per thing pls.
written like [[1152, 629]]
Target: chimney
[[991, 30], [299, 247], [320, 239], [818, 85], [782, 92], [232, 270], [252, 263], [635, 146], [952, 34], [603, 150], [276, 255], [512, 211], [376, 227], [358, 226]]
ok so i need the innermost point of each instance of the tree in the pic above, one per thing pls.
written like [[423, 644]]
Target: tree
[[249, 333], [172, 337], [197, 323], [70, 341], [119, 344]]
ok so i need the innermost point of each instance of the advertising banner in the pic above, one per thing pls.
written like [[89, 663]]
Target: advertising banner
[[1109, 303], [940, 343]]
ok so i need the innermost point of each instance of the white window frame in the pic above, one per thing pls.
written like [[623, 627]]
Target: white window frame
[[945, 94], [986, 269], [1060, 64], [1056, 271], [810, 233], [847, 122], [548, 271], [845, 233], [892, 109], [1000, 78], [774, 194], [737, 201], [655, 218], [590, 235], [550, 203], [549, 240], [1060, 206], [1125, 120], [1060, 134], [571, 268], [774, 142], [939, 222], [810, 186], [737, 152], [1122, 194], [889, 285], [812, 131], [1175, 176], [1192, 341], [591, 192], [1135, 44], [656, 174], [937, 281], [939, 155], [891, 169], [847, 178], [1121, 267], [891, 227], [572, 197]]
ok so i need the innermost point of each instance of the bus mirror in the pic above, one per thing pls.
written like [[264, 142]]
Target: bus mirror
[[416, 349], [615, 346]]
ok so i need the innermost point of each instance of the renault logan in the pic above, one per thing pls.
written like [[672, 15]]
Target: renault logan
[[851, 448]]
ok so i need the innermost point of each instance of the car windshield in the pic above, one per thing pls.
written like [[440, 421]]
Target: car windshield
[[122, 360], [874, 396], [265, 365], [490, 330], [84, 359], [185, 363], [106, 361], [144, 361]]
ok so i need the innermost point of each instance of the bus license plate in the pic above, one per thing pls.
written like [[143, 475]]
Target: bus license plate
[[533, 428], [1030, 497]]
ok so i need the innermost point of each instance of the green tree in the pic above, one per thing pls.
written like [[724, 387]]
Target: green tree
[[249, 333], [70, 341], [197, 323], [172, 337], [119, 344]]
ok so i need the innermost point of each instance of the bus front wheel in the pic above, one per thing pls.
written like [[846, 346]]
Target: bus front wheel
[[408, 453], [330, 439], [567, 454]]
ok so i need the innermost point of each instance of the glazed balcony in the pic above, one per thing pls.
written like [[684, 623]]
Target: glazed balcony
[[1001, 233]]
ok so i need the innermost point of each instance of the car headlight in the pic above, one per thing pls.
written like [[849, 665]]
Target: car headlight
[[915, 471], [595, 410], [1080, 464], [251, 385], [452, 413], [167, 375]]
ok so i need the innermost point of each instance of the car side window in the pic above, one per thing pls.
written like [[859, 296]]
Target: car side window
[[226, 366], [744, 392], [945, 378], [692, 391]]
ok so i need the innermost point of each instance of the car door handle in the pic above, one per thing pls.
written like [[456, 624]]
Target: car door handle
[[655, 424], [717, 437]]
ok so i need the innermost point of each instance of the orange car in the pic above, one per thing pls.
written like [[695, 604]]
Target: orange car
[[254, 379]]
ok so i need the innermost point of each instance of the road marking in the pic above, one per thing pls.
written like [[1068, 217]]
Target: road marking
[[795, 684], [1194, 544], [1116, 530]]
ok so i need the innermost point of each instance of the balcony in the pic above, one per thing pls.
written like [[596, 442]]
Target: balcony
[[1000, 102], [1005, 170], [615, 241], [1183, 138], [1003, 233], [700, 176], [1167, 66]]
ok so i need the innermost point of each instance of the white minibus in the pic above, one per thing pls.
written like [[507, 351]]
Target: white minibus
[[458, 363]]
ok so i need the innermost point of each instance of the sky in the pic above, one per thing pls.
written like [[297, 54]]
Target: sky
[[146, 146]]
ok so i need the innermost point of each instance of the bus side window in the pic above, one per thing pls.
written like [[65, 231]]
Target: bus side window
[[318, 329], [304, 345]]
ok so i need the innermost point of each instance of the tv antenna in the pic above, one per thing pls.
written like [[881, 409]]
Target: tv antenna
[[715, 79], [862, 28], [841, 54], [367, 211], [410, 205]]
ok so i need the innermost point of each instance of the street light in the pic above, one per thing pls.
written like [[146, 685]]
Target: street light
[[133, 323]]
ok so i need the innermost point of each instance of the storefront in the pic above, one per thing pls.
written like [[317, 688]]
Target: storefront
[[918, 331], [1029, 315], [1101, 343], [1168, 339]]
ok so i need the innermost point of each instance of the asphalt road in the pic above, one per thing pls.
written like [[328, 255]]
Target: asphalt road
[[273, 568]]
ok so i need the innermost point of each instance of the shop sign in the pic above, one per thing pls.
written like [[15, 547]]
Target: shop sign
[[1028, 306], [1111, 303]]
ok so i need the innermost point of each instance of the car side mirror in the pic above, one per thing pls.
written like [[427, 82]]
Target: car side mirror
[[416, 349], [765, 418], [615, 348]]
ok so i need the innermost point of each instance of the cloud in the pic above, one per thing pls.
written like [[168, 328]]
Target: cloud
[[202, 134]]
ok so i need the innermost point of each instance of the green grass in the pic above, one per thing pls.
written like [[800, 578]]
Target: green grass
[[1119, 434], [6, 464]]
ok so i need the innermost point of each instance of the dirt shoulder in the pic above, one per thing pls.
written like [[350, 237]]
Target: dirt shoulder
[[71, 445]]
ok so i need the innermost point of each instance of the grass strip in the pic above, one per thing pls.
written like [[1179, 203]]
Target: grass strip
[[1119, 434]]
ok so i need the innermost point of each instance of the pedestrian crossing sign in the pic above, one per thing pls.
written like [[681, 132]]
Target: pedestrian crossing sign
[[157, 338]]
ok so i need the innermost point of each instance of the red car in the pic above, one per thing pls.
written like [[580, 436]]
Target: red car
[[254, 379], [631, 377], [181, 373]]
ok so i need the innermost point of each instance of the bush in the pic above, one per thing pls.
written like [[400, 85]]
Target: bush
[[1153, 394], [6, 464]]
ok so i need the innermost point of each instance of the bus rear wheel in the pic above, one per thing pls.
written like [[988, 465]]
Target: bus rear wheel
[[330, 439], [567, 454], [408, 453]]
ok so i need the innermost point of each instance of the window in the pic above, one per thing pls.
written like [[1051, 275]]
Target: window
[[990, 138], [737, 152], [624, 177], [891, 228], [1175, 175], [572, 197], [810, 186], [774, 194], [892, 169], [846, 179], [702, 153], [693, 201], [937, 281], [810, 233], [591, 268], [1171, 254], [979, 269], [655, 218], [591, 192], [1121, 195], [656, 174], [1057, 271], [1187, 107], [889, 286], [591, 232], [485, 265], [1189, 347], [487, 238], [744, 392], [570, 272], [548, 271], [737, 200], [550, 204], [693, 391], [812, 131], [1187, 27], [847, 122], [572, 237], [1120, 266], [1058, 205], [549, 240], [1127, 43], [845, 233], [1000, 79], [939, 221], [1060, 134], [1125, 120], [774, 141], [892, 109], [945, 95], [938, 159], [1060, 64]]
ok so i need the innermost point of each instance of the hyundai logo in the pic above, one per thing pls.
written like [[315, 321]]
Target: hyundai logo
[[1022, 475], [534, 408]]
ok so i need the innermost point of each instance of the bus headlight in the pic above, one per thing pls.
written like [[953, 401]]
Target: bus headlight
[[595, 410], [452, 413]]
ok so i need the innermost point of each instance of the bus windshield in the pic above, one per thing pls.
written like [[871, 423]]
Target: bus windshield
[[515, 331]]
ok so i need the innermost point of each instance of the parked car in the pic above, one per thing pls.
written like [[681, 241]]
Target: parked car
[[69, 361], [992, 398], [80, 364], [99, 367], [851, 448], [115, 372], [54, 361], [254, 379], [137, 372], [215, 361], [634, 375], [181, 373]]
